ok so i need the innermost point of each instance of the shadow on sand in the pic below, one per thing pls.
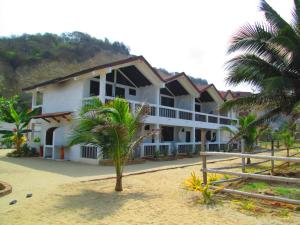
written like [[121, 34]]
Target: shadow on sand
[[66, 168], [95, 205]]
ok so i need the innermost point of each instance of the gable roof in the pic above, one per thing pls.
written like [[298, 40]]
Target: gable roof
[[103, 66], [203, 88], [235, 94], [181, 75]]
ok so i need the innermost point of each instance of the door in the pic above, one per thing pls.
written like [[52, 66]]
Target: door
[[188, 136]]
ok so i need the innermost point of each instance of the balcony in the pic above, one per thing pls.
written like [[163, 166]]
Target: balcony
[[176, 113]]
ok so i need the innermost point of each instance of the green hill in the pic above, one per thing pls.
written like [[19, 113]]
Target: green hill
[[29, 59]]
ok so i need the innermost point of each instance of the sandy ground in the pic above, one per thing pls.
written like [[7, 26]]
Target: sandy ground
[[153, 198]]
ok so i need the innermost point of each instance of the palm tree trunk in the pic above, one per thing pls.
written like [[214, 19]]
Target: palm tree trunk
[[18, 146], [118, 167], [119, 186]]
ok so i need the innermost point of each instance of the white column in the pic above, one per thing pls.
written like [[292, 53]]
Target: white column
[[157, 136], [33, 99], [157, 100], [102, 87], [193, 137], [218, 137], [193, 108]]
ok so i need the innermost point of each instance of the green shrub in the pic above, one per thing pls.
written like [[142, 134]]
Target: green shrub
[[156, 154], [25, 151]]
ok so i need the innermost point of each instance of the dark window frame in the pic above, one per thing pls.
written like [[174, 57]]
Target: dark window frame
[[132, 91], [117, 89], [107, 86], [167, 101], [94, 88]]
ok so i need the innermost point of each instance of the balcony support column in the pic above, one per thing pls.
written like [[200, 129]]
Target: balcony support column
[[203, 139], [157, 137], [193, 138], [157, 100], [219, 138], [102, 87]]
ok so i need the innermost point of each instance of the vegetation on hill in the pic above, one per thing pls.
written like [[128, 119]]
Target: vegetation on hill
[[29, 59]]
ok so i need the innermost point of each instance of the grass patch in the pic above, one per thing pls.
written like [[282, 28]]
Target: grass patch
[[255, 186], [293, 193]]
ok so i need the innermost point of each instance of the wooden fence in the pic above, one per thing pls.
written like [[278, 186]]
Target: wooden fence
[[243, 174]]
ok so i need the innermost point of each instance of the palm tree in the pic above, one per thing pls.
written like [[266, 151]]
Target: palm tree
[[268, 58], [11, 113], [285, 134], [111, 127], [245, 132]]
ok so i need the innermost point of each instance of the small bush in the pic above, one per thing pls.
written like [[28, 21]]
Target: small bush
[[195, 183], [26, 151], [156, 154]]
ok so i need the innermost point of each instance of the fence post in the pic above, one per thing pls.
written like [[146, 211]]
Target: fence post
[[204, 172], [243, 158], [272, 154], [288, 154]]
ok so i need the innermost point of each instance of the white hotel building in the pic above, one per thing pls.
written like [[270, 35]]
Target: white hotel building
[[179, 108]]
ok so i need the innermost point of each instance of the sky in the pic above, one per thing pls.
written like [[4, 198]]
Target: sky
[[189, 36]]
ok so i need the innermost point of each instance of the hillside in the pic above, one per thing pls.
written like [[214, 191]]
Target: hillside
[[30, 59]]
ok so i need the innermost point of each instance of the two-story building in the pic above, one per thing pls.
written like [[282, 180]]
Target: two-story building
[[179, 108]]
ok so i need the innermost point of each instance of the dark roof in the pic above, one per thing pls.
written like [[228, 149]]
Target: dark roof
[[235, 94], [76, 74], [175, 77], [203, 88]]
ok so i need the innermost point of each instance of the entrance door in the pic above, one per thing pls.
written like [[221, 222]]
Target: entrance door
[[187, 136], [167, 134], [49, 144]]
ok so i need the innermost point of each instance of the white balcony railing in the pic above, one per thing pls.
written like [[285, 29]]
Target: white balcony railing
[[183, 148], [175, 113]]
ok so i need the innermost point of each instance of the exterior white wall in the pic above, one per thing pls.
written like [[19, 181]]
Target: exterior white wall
[[148, 94], [66, 96], [184, 102], [225, 136], [208, 107]]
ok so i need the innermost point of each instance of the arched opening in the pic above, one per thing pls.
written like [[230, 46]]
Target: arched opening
[[49, 136]]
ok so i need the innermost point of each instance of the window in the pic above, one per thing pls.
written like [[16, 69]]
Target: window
[[120, 92], [197, 108], [94, 88], [167, 134], [166, 101], [110, 77], [187, 136], [197, 135], [132, 91], [147, 127], [89, 152], [39, 98], [108, 90]]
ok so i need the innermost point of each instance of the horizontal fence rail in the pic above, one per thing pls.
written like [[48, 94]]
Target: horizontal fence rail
[[239, 155], [257, 175]]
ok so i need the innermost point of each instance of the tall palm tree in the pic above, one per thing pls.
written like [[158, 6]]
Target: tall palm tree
[[246, 132], [20, 118], [111, 127], [268, 58]]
